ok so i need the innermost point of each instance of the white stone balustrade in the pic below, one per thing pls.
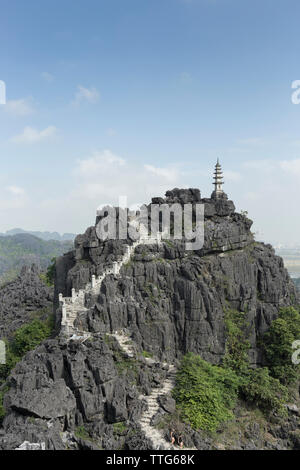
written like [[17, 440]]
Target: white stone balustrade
[[71, 306]]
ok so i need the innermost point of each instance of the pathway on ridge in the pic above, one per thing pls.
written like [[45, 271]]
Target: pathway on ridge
[[155, 436], [72, 307]]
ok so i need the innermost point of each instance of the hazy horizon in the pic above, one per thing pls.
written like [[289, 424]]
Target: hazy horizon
[[105, 102]]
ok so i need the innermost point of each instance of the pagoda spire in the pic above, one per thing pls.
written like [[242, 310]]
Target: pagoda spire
[[218, 182]]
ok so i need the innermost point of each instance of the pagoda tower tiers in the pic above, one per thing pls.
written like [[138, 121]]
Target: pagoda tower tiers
[[218, 183]]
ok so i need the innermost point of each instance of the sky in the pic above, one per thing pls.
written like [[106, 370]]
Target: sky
[[109, 98]]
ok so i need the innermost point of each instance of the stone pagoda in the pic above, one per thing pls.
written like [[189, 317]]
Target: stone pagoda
[[218, 183]]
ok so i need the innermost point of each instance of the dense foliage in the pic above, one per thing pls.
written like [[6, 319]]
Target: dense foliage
[[29, 336], [237, 343], [265, 392], [49, 276], [277, 345], [205, 393], [25, 339]]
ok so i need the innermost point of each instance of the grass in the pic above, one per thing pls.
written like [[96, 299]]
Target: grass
[[147, 354], [81, 433], [120, 428]]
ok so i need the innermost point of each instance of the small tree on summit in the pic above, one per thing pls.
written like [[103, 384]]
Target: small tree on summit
[[51, 270]]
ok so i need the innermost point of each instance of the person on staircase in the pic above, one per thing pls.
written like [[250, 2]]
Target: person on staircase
[[172, 437]]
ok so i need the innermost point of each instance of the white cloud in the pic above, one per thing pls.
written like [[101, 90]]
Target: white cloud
[[232, 175], [90, 95], [169, 174], [31, 135], [94, 166], [21, 107], [291, 166], [16, 190], [104, 176], [12, 198], [267, 189], [48, 77]]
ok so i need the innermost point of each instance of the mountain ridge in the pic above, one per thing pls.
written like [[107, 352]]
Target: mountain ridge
[[24, 249], [43, 235], [165, 303]]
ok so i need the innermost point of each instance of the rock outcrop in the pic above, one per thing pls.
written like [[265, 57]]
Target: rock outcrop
[[173, 301], [21, 297], [170, 301]]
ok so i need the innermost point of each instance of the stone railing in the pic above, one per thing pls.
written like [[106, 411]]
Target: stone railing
[[71, 307]]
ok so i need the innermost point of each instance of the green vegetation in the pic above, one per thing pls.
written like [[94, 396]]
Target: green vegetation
[[153, 292], [2, 409], [237, 344], [147, 354], [109, 340], [8, 276], [120, 428], [25, 339], [25, 249], [257, 386], [81, 433], [206, 394], [169, 243], [29, 336], [126, 365], [277, 345], [262, 390], [49, 276]]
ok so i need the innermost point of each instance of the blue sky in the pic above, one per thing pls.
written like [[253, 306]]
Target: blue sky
[[133, 97]]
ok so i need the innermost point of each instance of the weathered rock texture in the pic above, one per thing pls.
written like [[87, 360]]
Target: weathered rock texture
[[173, 300], [20, 298], [170, 301]]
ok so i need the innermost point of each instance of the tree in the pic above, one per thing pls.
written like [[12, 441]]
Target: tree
[[277, 345]]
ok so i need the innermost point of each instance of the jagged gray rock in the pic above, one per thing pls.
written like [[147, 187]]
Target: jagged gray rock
[[19, 298], [170, 301]]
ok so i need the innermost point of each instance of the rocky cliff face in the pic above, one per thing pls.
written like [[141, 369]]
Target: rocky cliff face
[[173, 300], [20, 298], [170, 301]]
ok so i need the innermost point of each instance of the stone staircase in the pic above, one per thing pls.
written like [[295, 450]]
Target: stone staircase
[[155, 436], [72, 307], [125, 343]]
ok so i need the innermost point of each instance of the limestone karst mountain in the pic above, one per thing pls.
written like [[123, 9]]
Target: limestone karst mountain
[[132, 312], [42, 235], [22, 297], [24, 249]]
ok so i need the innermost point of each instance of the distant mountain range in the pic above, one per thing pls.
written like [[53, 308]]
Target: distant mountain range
[[43, 235], [24, 249]]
